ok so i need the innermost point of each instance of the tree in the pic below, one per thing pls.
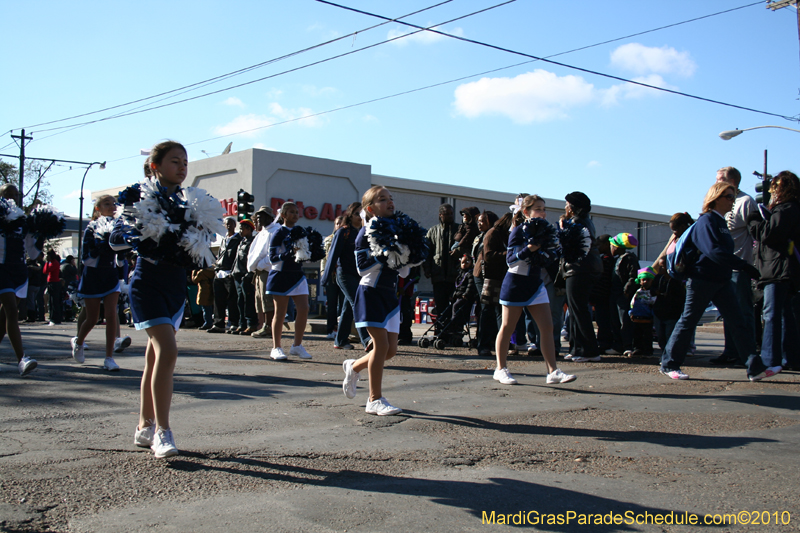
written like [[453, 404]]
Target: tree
[[36, 186]]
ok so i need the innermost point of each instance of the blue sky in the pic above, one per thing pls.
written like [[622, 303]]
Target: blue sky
[[535, 127]]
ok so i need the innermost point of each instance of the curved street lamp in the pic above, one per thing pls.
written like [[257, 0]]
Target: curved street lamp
[[80, 213], [730, 134]]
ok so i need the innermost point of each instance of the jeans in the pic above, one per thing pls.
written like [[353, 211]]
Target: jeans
[[208, 316], [334, 301], [744, 298], [664, 327], [780, 331], [698, 293], [349, 285]]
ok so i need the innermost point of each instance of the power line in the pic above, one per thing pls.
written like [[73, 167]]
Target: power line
[[565, 65], [454, 80], [240, 71], [276, 74]]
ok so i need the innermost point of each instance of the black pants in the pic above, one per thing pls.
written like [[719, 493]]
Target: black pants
[[581, 329], [602, 315], [643, 337], [225, 298], [56, 303]]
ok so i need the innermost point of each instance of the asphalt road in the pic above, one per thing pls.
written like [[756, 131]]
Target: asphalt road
[[276, 446]]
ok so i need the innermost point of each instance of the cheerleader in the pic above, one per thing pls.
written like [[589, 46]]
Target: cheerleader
[[523, 287], [99, 283], [15, 241], [158, 286], [286, 280], [376, 308]]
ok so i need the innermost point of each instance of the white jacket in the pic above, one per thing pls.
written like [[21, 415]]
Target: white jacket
[[258, 256]]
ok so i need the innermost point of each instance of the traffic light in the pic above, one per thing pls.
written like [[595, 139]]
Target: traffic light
[[245, 204], [762, 188]]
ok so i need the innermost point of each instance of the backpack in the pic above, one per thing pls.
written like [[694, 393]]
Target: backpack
[[680, 260]]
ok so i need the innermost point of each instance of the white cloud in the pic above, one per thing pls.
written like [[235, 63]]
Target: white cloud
[[536, 96], [593, 164], [233, 101], [274, 94], [77, 194], [369, 118], [642, 60], [421, 37], [243, 124], [248, 125]]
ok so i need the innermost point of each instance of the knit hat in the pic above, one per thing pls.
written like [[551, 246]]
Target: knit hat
[[247, 222], [624, 240], [645, 273], [579, 200]]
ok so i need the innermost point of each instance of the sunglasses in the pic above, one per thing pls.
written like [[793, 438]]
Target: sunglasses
[[728, 196]]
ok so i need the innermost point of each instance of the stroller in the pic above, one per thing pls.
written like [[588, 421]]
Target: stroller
[[450, 330]]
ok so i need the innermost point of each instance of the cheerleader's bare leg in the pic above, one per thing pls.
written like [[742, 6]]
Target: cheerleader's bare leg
[[92, 306], [165, 352], [511, 316], [281, 304], [112, 322], [384, 347], [301, 305], [544, 321], [147, 414], [9, 302]]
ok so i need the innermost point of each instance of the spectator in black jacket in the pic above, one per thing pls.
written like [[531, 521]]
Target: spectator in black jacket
[[778, 261], [243, 280], [602, 303], [224, 288]]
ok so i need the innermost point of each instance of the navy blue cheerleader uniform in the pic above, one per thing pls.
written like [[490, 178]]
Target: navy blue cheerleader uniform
[[100, 275], [286, 277], [377, 304], [157, 289], [13, 272], [522, 285]]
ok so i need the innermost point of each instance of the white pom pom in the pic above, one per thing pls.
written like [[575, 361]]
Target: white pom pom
[[302, 252]]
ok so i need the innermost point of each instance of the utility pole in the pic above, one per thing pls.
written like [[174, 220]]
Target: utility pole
[[22, 140], [780, 4]]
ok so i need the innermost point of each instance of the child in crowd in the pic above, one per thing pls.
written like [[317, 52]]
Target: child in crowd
[[465, 295], [641, 313], [204, 278]]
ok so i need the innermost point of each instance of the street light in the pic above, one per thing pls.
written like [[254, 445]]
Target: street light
[[730, 134], [80, 213]]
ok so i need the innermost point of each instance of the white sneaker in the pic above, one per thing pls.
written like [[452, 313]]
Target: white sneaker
[[351, 378], [164, 443], [382, 407], [557, 376], [581, 359], [143, 438], [277, 354], [299, 350], [121, 343], [504, 376], [26, 365], [51, 323], [568, 357], [330, 336], [85, 346], [77, 351], [111, 365]]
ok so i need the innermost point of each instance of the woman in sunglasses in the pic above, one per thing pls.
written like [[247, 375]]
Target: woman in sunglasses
[[709, 280]]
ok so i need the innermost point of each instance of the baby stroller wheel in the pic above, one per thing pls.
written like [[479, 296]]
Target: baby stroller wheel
[[424, 342], [439, 344]]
